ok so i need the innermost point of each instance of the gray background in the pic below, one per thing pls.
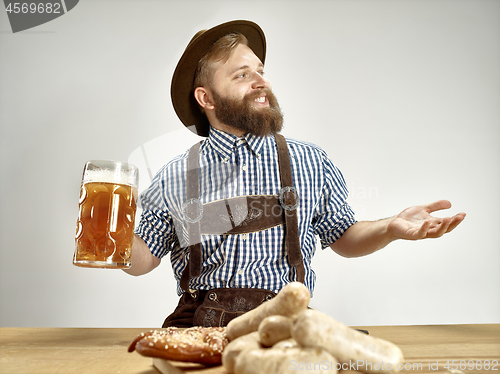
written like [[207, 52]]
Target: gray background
[[403, 95]]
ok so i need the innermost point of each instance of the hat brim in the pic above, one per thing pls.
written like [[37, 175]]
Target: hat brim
[[181, 90]]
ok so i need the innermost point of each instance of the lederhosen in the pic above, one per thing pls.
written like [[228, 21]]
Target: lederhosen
[[218, 306]]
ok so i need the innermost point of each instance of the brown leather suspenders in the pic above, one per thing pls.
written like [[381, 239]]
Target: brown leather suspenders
[[226, 216], [193, 210], [289, 200]]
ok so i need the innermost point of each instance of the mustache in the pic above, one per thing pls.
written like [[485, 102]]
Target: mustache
[[273, 101], [258, 93]]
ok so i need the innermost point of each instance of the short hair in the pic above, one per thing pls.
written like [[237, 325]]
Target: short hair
[[219, 51]]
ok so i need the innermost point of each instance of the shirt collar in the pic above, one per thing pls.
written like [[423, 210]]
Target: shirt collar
[[225, 144]]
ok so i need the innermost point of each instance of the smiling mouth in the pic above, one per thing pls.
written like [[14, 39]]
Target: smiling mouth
[[261, 99]]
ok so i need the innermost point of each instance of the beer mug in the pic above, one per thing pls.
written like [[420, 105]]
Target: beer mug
[[105, 226]]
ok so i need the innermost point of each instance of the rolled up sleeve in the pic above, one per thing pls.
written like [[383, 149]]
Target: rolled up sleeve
[[156, 226], [333, 214]]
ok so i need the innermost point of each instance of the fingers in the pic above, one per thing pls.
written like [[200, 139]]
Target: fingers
[[441, 228], [417, 223], [437, 228], [444, 225], [437, 205], [423, 231], [455, 221]]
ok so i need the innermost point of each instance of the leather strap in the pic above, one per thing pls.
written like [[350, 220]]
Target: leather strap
[[241, 215], [192, 210], [290, 203]]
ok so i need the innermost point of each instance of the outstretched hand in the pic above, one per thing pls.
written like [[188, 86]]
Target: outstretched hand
[[417, 223]]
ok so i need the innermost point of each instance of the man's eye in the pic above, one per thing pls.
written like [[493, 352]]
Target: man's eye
[[261, 73]]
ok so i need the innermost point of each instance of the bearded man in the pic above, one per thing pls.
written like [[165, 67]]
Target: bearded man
[[240, 212]]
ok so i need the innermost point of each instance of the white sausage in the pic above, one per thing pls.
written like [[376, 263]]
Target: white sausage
[[283, 361], [292, 299], [273, 329], [285, 344], [238, 345], [315, 329]]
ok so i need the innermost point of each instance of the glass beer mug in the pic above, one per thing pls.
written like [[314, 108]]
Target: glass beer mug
[[105, 226]]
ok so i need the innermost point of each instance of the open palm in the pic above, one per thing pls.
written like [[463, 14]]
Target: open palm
[[417, 222]]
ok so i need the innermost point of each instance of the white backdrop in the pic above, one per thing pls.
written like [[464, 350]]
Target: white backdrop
[[403, 95]]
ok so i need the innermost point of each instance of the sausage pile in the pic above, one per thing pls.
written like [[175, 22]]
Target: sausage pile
[[283, 336]]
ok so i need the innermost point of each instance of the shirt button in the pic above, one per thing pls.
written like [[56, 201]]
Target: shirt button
[[244, 167], [240, 272], [244, 236]]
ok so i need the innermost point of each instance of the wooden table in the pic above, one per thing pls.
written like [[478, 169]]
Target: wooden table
[[86, 350]]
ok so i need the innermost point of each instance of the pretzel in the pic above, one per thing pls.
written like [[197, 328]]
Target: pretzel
[[198, 344]]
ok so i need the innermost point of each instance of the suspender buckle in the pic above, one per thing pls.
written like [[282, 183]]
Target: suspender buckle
[[282, 197], [193, 293], [187, 217]]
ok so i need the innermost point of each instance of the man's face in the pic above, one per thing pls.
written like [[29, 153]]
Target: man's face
[[242, 96]]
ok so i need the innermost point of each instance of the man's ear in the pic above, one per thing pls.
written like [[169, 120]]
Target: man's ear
[[203, 97]]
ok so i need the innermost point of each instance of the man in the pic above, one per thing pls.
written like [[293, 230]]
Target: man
[[240, 212]]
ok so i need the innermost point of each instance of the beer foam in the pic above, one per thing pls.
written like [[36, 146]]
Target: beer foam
[[128, 177]]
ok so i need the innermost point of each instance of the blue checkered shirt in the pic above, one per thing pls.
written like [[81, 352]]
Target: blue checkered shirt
[[232, 166]]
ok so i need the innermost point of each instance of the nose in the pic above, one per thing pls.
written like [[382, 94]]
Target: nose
[[260, 82]]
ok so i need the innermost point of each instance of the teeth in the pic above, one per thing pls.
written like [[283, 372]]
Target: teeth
[[260, 99]]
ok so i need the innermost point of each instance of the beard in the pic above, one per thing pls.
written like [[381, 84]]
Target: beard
[[242, 114]]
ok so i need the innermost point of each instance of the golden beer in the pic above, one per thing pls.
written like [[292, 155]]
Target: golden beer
[[105, 225]]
